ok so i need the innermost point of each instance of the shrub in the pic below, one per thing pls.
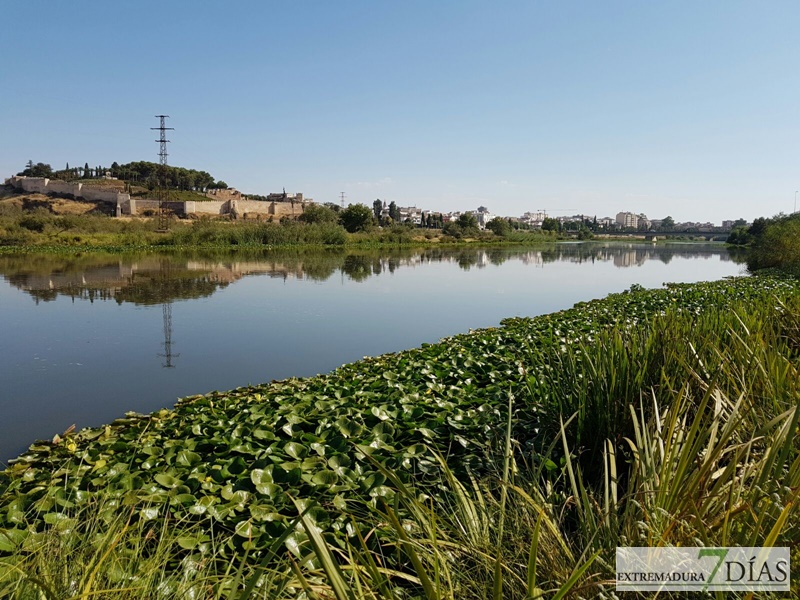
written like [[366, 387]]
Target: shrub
[[34, 222]]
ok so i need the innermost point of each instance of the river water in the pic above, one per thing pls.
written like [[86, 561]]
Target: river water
[[85, 338]]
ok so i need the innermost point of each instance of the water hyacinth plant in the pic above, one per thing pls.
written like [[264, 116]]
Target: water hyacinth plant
[[504, 463]]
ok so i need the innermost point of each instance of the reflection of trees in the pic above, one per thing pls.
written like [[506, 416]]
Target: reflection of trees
[[357, 267], [628, 255], [160, 278], [136, 278], [466, 260], [320, 266], [496, 256], [737, 255], [152, 290], [551, 254], [44, 295]]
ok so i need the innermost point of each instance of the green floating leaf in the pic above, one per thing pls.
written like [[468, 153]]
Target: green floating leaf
[[246, 529], [340, 460], [261, 476], [203, 504], [149, 514], [52, 518], [186, 458], [188, 542], [264, 513], [381, 491], [295, 450], [347, 427], [415, 450], [167, 480], [10, 539], [263, 434], [325, 478]]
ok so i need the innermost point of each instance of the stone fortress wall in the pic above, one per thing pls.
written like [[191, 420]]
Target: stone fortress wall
[[220, 202], [42, 185]]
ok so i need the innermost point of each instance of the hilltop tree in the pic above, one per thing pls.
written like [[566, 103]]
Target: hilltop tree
[[37, 170], [176, 177]]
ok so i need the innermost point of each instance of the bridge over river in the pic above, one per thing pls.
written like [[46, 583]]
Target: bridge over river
[[710, 235]]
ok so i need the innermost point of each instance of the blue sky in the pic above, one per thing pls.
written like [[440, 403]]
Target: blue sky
[[688, 109]]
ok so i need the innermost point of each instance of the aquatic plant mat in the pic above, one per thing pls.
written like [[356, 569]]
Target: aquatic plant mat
[[503, 463]]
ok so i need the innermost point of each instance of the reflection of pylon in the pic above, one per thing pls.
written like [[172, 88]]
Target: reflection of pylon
[[167, 310], [166, 307]]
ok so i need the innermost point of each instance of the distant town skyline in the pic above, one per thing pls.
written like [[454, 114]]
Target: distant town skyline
[[79, 182], [680, 109]]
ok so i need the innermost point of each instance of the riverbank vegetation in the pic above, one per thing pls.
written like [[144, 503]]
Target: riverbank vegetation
[[772, 243], [504, 463], [777, 246], [32, 223]]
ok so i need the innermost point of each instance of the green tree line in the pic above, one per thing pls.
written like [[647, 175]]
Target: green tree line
[[143, 172]]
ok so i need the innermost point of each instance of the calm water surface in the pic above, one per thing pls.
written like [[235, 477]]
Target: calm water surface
[[84, 339]]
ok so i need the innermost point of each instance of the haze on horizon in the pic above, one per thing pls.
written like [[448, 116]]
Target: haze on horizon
[[683, 109]]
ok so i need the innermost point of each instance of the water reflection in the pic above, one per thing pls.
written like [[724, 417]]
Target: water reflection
[[150, 279]]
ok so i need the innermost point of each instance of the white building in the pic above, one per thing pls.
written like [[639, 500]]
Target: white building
[[605, 222], [628, 220], [484, 216], [410, 213]]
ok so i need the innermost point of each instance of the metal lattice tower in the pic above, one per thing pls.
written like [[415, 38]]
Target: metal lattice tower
[[163, 210], [162, 141]]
